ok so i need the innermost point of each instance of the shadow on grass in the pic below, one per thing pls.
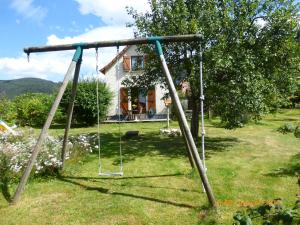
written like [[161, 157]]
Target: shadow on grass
[[63, 126], [292, 168], [124, 194], [96, 179], [218, 144], [151, 144], [123, 178], [5, 191], [284, 119]]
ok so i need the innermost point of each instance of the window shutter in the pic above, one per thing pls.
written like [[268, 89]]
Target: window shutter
[[146, 58], [151, 101], [124, 100], [126, 63]]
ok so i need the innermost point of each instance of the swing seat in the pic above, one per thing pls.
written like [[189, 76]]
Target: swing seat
[[111, 174]]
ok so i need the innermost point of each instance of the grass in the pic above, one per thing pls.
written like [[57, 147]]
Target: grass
[[246, 166]]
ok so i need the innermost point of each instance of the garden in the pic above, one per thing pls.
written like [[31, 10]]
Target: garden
[[242, 55], [247, 167]]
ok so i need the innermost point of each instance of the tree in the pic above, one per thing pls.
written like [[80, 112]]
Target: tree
[[85, 106], [250, 58]]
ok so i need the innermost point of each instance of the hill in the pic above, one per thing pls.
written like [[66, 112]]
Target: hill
[[12, 88]]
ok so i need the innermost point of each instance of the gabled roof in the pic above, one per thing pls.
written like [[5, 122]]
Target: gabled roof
[[114, 60]]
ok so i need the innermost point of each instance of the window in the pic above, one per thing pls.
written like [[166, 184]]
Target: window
[[137, 63]]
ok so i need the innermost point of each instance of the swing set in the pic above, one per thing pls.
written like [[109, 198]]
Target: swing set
[[74, 70]]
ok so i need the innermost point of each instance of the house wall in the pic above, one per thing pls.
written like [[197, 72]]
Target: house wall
[[114, 83]]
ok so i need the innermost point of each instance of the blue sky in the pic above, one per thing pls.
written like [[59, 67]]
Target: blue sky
[[25, 23], [56, 17]]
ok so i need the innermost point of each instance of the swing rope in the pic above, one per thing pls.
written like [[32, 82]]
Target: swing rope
[[120, 173], [119, 108], [202, 108], [98, 112]]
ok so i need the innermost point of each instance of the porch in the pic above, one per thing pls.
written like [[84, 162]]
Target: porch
[[139, 117]]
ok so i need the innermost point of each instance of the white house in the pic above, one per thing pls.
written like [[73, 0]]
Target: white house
[[134, 102]]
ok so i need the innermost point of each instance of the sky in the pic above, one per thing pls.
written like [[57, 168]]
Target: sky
[[26, 23]]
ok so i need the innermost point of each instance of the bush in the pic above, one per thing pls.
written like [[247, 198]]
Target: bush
[[8, 110], [33, 109], [295, 99], [297, 132], [268, 214], [287, 128], [85, 107]]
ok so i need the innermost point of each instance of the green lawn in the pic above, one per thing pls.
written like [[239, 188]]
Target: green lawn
[[246, 166]]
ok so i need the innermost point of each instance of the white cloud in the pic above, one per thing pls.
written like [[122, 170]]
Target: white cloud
[[29, 10], [113, 11], [40, 66], [53, 65]]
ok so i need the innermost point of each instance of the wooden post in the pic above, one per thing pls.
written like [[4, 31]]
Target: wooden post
[[187, 146], [185, 127], [47, 124], [100, 44], [168, 116], [70, 112], [168, 103]]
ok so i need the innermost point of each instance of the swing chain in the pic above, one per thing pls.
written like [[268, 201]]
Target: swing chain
[[28, 57]]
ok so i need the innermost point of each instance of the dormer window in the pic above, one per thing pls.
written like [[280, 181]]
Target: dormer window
[[137, 63]]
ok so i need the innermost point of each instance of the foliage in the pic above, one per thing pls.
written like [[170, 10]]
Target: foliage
[[295, 99], [8, 110], [250, 53], [13, 88], [269, 214], [297, 132], [85, 107], [287, 128], [33, 109]]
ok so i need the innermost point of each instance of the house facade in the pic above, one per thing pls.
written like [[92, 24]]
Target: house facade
[[135, 103]]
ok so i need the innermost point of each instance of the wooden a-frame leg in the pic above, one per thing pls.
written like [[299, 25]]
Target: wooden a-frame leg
[[188, 135], [70, 113], [188, 147], [46, 126]]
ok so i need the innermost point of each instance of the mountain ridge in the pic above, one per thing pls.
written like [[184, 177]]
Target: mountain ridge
[[15, 87]]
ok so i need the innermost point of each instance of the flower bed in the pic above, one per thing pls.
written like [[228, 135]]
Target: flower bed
[[15, 152], [172, 132]]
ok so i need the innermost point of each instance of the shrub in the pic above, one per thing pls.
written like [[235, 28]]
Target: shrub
[[8, 110], [297, 132], [33, 108], [85, 107], [268, 214], [287, 128]]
